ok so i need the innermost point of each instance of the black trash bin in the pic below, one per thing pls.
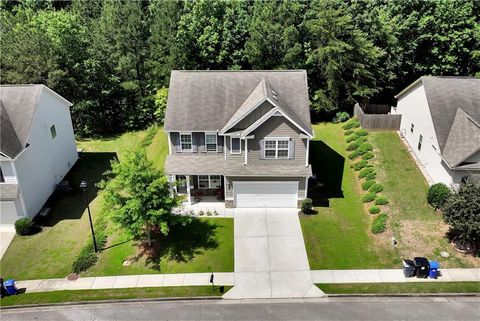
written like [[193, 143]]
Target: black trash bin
[[408, 268], [422, 267]]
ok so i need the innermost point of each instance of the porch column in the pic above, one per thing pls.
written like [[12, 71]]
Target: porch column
[[174, 181], [188, 190]]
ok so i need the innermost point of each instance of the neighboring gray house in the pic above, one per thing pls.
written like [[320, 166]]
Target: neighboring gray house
[[441, 123], [242, 136]]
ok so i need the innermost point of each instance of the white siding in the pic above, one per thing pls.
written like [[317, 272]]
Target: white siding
[[414, 109], [46, 161]]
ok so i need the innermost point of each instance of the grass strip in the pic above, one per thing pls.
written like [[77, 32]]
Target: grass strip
[[401, 288]]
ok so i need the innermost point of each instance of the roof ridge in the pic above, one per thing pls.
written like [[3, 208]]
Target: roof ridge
[[244, 70]]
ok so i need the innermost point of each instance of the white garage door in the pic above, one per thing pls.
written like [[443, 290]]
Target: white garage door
[[265, 194], [8, 212]]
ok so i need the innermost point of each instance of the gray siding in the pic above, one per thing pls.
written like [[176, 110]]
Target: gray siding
[[230, 180], [277, 126], [253, 116], [198, 140]]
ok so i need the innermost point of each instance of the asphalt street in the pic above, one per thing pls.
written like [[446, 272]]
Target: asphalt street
[[375, 308]]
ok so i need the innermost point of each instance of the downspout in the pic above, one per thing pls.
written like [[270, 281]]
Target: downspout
[[246, 153]]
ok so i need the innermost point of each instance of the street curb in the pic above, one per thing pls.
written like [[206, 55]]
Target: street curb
[[359, 295], [194, 298]]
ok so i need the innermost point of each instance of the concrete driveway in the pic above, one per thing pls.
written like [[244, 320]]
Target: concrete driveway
[[270, 256]]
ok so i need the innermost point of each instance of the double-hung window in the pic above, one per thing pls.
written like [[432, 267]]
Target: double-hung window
[[277, 148], [211, 142], [420, 140], [235, 146], [209, 181], [186, 142]]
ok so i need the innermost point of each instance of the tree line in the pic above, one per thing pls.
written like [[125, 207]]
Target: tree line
[[112, 58]]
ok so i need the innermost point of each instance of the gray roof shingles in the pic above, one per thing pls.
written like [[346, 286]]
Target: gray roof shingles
[[207, 100]]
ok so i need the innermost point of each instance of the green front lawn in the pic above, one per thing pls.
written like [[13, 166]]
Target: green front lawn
[[338, 236], [113, 294], [401, 288]]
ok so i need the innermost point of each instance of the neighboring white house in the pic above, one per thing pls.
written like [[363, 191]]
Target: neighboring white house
[[37, 148], [441, 123]]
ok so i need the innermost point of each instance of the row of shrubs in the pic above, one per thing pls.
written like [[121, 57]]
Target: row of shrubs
[[361, 153], [87, 256]]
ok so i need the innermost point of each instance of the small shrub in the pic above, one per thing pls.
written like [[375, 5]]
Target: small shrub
[[364, 172], [376, 188], [361, 140], [378, 224], [215, 213], [355, 154], [25, 226], [381, 200], [209, 213], [307, 206], [367, 184], [201, 213], [365, 147], [371, 176], [437, 195], [367, 156], [351, 138], [86, 259], [374, 209], [341, 117], [353, 146], [348, 132], [359, 165], [369, 197], [352, 123], [361, 132]]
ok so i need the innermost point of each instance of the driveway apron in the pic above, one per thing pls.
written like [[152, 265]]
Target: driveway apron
[[270, 256]]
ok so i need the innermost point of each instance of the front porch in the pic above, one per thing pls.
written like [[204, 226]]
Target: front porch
[[200, 191]]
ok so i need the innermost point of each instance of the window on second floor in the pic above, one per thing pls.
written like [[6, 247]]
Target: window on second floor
[[277, 148], [186, 142], [53, 131], [420, 139], [412, 126], [211, 142], [235, 146]]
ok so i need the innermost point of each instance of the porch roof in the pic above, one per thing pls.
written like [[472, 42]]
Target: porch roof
[[216, 164]]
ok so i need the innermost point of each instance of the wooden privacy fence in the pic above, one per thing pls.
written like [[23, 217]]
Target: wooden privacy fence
[[376, 117]]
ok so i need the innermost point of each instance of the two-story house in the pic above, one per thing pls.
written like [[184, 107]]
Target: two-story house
[[37, 148], [241, 135]]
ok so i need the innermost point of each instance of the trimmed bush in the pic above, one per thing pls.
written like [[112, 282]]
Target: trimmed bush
[[353, 146], [378, 224], [25, 226], [381, 200], [376, 188], [437, 195], [367, 184], [361, 132], [307, 206], [348, 132], [341, 117], [369, 197], [86, 259], [374, 209], [359, 165], [365, 147], [351, 138], [355, 154], [364, 172], [352, 123], [361, 140], [367, 156], [371, 176]]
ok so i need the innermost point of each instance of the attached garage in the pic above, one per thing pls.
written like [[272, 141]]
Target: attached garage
[[265, 194], [8, 212]]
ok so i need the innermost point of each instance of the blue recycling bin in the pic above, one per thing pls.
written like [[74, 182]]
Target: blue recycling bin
[[10, 287], [434, 265]]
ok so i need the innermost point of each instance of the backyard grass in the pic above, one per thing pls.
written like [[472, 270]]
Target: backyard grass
[[338, 236], [204, 245], [158, 149], [399, 288], [113, 294], [419, 229]]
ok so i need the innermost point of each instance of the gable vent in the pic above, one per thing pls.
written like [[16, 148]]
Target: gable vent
[[274, 95]]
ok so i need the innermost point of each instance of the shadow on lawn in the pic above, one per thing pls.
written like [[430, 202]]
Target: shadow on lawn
[[182, 243], [327, 166], [89, 167]]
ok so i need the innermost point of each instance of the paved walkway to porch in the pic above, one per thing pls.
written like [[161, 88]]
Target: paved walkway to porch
[[270, 256]]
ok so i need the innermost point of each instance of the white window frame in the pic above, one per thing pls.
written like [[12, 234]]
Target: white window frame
[[191, 142], [216, 142], [276, 149], [239, 146], [209, 180]]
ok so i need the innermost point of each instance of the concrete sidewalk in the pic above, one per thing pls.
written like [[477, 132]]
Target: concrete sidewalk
[[126, 281], [391, 276], [6, 236]]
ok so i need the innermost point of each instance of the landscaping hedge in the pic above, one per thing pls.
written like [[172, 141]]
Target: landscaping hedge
[[25, 226], [370, 176], [364, 172], [376, 188], [348, 132], [354, 155], [367, 156], [369, 197], [341, 117], [359, 165], [381, 200], [379, 223], [367, 184], [307, 206], [374, 209], [353, 146], [361, 132], [87, 256], [437, 195], [352, 123], [365, 147]]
